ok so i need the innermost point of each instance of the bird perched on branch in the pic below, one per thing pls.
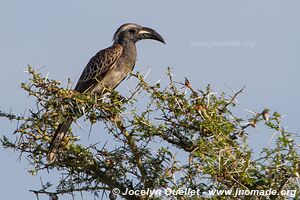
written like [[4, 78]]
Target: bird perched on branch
[[106, 70]]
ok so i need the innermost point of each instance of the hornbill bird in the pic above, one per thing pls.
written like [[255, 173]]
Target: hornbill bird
[[106, 70]]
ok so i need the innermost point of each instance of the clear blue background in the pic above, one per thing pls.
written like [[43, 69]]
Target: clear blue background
[[61, 36]]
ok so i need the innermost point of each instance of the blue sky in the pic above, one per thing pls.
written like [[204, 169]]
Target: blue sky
[[235, 43]]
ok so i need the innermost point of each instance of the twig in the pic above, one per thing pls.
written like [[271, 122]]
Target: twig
[[133, 148], [232, 99]]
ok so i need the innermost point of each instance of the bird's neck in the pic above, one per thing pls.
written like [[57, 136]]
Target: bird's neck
[[129, 49]]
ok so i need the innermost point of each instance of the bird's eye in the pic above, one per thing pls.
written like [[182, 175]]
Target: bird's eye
[[132, 30]]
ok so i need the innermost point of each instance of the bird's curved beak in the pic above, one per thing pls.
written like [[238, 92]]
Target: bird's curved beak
[[148, 33]]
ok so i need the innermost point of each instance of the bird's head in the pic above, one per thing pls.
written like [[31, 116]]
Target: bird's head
[[134, 32]]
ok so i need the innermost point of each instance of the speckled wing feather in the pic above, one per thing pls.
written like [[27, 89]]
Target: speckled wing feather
[[97, 67], [93, 73]]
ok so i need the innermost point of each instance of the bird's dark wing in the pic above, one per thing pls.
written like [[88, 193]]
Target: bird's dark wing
[[94, 71], [97, 67]]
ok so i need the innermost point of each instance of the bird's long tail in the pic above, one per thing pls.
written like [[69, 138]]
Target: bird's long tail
[[57, 140]]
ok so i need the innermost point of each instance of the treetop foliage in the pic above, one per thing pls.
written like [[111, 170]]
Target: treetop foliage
[[199, 125]]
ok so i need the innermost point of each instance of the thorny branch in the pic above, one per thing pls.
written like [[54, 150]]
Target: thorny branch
[[175, 120]]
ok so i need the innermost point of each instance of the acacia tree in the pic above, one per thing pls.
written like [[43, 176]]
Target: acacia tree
[[177, 119]]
